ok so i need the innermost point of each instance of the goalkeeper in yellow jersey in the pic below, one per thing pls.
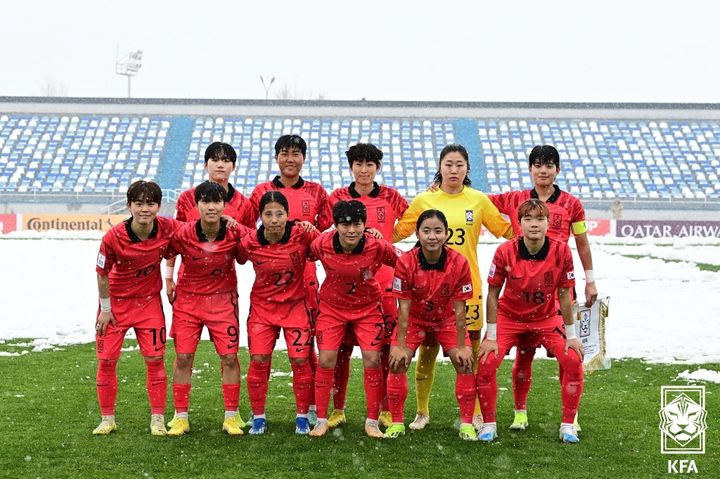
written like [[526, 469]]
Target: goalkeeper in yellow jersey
[[467, 210]]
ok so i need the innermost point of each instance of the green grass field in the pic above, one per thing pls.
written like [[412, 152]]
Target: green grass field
[[48, 409]]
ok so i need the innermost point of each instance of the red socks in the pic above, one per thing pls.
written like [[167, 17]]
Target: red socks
[[107, 386], [522, 376], [397, 392], [342, 376], [257, 384], [373, 391], [465, 392], [323, 385], [181, 397], [302, 386], [156, 383]]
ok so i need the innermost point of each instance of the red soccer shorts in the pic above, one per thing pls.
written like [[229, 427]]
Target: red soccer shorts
[[443, 333], [549, 333], [218, 312], [145, 316], [265, 321], [389, 313], [367, 325]]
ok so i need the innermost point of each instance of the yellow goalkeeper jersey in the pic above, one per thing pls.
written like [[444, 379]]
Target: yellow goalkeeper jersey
[[466, 213]]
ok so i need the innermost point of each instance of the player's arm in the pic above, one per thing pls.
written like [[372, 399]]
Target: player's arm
[[583, 248], [106, 317], [571, 341], [400, 355], [406, 224], [489, 344], [170, 255], [464, 353], [493, 220]]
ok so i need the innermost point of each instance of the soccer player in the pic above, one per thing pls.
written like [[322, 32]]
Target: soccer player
[[350, 294], [278, 251], [535, 270], [466, 210], [567, 217], [206, 295], [129, 284], [384, 207], [308, 201], [432, 283]]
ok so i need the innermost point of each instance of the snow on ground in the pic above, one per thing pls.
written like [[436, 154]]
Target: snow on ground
[[660, 311], [701, 375]]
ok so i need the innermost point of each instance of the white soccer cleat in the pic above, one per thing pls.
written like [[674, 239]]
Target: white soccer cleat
[[477, 422], [421, 420], [488, 433], [157, 425], [568, 434]]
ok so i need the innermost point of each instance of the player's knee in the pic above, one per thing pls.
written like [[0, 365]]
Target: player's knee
[[474, 335], [260, 358], [371, 361], [184, 362], [229, 362], [298, 361], [153, 359], [107, 365]]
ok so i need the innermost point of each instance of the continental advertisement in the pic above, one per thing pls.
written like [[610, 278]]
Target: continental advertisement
[[64, 222]]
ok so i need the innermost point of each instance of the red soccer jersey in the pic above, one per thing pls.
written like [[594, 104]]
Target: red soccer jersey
[[531, 281], [432, 288], [350, 284], [208, 267], [308, 201], [236, 206], [567, 214], [278, 267], [131, 264], [384, 207]]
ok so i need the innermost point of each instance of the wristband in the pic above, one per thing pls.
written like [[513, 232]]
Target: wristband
[[491, 331], [105, 305], [589, 276], [169, 272], [570, 331]]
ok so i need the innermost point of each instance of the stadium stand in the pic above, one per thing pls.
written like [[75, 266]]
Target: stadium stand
[[602, 159]]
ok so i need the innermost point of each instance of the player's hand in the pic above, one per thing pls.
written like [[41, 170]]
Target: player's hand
[[591, 294], [374, 233], [399, 358], [433, 188], [102, 322], [486, 347], [465, 358], [306, 226], [231, 222], [170, 289], [576, 345]]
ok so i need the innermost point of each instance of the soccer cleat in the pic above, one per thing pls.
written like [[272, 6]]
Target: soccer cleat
[[106, 426], [259, 426], [180, 426], [576, 423], [321, 428], [468, 432], [421, 420], [568, 434], [157, 425], [385, 419], [477, 422], [312, 416], [520, 422], [249, 422], [488, 433], [233, 426], [372, 428], [302, 426], [394, 431], [337, 418]]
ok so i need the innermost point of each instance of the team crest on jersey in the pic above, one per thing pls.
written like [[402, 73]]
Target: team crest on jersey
[[444, 290], [101, 260], [295, 258], [381, 214], [469, 217], [549, 278], [306, 207], [556, 220]]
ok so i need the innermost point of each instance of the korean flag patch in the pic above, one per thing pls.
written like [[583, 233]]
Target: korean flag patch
[[467, 288], [491, 273], [397, 284], [101, 260], [571, 275]]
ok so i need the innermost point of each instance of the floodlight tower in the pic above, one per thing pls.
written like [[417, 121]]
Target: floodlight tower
[[129, 65], [267, 86]]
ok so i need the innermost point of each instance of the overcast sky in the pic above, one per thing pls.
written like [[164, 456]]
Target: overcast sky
[[563, 50]]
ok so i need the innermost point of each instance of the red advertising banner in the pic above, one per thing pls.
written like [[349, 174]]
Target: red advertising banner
[[8, 223], [598, 227]]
